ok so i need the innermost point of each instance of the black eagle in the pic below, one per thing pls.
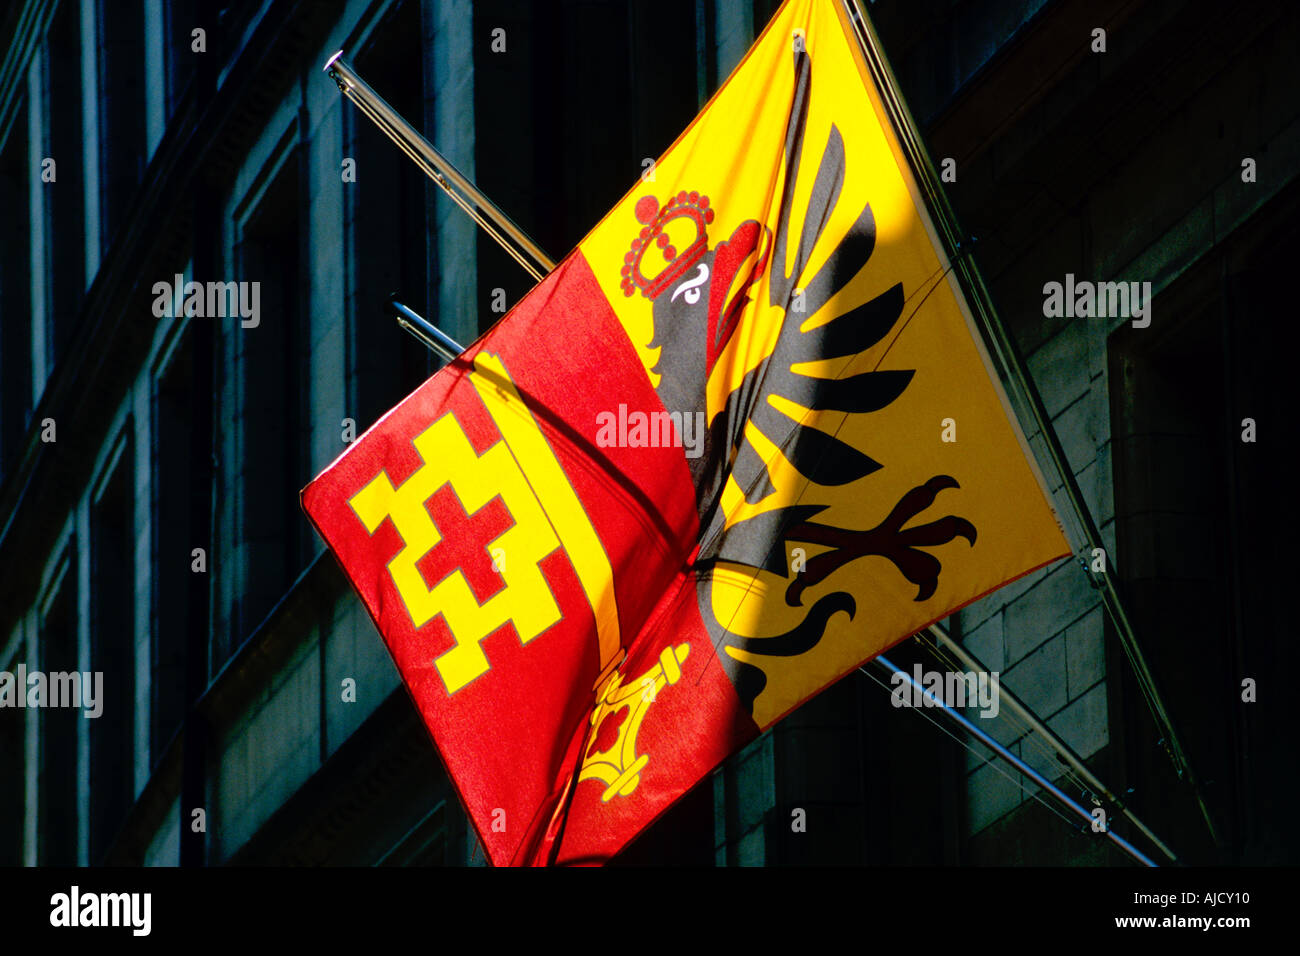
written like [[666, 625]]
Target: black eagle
[[693, 320]]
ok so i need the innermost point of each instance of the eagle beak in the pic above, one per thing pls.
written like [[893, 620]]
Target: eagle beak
[[737, 264]]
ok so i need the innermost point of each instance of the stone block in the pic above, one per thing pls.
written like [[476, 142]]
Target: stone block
[[985, 642], [1085, 652], [990, 794], [1039, 680], [1056, 601], [1057, 367], [1083, 723]]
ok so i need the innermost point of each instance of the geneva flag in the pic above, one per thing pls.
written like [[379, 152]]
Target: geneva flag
[[741, 440]]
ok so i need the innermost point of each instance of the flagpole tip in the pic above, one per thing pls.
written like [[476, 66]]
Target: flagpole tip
[[329, 64]]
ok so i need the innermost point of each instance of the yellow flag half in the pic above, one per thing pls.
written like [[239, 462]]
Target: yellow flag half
[[781, 273]]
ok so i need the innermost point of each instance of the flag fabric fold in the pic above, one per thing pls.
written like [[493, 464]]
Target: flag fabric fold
[[741, 440]]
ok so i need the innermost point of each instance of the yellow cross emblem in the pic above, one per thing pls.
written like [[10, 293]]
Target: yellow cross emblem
[[522, 470]]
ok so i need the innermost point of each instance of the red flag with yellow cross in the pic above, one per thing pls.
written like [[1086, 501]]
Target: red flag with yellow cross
[[702, 471]]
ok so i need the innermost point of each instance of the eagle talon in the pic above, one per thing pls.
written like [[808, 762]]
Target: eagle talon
[[889, 539]]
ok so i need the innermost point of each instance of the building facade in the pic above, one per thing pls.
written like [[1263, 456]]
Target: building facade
[[150, 460]]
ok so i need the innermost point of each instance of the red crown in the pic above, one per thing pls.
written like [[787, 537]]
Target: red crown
[[683, 219]]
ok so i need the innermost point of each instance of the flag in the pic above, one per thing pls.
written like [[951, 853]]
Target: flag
[[741, 440]]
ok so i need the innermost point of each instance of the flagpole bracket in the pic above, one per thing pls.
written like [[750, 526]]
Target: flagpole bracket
[[433, 338], [334, 74], [965, 247]]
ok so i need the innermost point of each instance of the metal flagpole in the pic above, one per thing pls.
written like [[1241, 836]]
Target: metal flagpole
[[436, 166], [1015, 761], [941, 638], [1013, 362]]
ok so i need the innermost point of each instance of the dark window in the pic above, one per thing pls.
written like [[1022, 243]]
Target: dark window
[[272, 361], [112, 654], [388, 223], [178, 411], [1263, 528], [13, 777], [15, 293], [56, 838], [181, 21], [122, 130], [567, 118], [1169, 497], [1203, 523], [65, 219]]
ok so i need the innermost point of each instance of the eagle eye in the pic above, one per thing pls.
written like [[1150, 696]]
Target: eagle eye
[[690, 290]]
